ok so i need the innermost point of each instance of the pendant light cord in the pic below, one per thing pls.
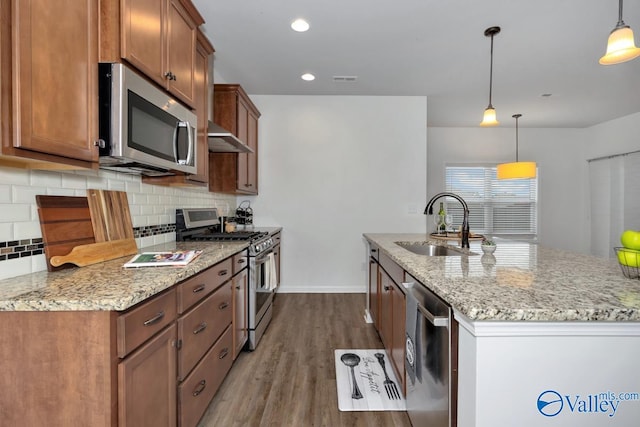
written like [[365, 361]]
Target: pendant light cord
[[491, 73], [517, 116], [620, 21]]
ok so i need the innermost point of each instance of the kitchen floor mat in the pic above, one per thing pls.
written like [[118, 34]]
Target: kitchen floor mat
[[362, 384]]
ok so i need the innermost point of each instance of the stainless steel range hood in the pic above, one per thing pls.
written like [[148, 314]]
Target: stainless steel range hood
[[222, 141]]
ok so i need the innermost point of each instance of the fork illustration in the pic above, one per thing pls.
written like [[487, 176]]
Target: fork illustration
[[389, 386]]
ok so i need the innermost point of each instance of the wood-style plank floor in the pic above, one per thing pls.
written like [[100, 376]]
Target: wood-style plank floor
[[290, 379]]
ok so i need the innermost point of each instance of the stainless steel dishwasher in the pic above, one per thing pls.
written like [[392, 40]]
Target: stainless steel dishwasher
[[431, 353]]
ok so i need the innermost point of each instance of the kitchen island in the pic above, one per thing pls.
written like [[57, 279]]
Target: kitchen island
[[545, 337]]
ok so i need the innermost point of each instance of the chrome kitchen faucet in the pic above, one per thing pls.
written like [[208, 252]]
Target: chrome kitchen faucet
[[465, 219]]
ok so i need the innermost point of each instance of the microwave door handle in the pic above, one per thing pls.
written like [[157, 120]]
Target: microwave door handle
[[191, 143], [175, 143]]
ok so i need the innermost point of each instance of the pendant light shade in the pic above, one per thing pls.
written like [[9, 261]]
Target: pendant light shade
[[621, 46], [489, 118], [516, 170]]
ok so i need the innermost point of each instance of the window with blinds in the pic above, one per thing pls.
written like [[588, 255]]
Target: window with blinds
[[496, 207]]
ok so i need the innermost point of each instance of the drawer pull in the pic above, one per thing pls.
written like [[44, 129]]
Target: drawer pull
[[387, 288], [242, 260], [201, 327], [155, 319], [199, 388], [223, 272], [199, 288], [223, 353], [223, 305]]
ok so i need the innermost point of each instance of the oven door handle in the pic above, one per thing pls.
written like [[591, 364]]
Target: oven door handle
[[263, 257]]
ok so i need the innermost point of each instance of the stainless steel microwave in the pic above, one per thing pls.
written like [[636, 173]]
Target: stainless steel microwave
[[143, 130]]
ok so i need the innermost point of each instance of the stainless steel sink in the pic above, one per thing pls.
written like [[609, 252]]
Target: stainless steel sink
[[428, 249]]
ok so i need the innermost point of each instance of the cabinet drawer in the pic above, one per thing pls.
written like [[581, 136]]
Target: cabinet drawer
[[394, 270], [202, 326], [137, 325], [196, 392], [199, 286], [240, 261]]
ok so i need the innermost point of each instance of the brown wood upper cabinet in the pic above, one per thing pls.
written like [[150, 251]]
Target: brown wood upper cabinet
[[158, 37], [49, 89], [235, 173], [201, 77]]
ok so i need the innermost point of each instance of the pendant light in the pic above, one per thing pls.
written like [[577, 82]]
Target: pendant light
[[621, 46], [489, 118], [516, 170]]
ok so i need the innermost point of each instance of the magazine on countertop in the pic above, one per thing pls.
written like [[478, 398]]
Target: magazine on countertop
[[161, 259]]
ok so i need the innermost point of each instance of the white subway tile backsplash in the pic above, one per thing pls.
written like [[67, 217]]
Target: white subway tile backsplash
[[14, 176], [151, 206], [25, 194], [74, 181], [5, 194], [26, 229], [47, 179], [14, 212], [6, 231]]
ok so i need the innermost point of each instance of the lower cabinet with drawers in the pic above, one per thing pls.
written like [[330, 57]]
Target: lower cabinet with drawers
[[158, 363]]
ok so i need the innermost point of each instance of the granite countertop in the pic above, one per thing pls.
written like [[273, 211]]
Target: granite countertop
[[521, 282], [107, 285]]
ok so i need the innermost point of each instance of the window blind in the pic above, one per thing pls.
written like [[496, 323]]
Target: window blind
[[496, 207]]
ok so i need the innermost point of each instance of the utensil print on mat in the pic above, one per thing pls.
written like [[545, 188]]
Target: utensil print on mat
[[390, 386], [352, 360]]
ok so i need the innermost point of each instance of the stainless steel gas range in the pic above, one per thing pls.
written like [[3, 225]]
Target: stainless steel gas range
[[203, 224]]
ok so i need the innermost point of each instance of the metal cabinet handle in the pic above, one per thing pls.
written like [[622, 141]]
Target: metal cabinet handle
[[223, 353], [223, 272], [387, 288], [374, 250], [199, 288], [242, 260], [155, 319], [223, 305], [200, 388], [201, 327], [438, 321], [100, 143]]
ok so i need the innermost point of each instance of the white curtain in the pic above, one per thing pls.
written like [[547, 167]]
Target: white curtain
[[615, 200]]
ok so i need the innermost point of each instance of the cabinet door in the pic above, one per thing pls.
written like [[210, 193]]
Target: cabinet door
[[386, 309], [201, 101], [55, 77], [181, 52], [398, 334], [147, 384], [143, 29], [242, 132], [240, 311], [252, 158], [374, 295]]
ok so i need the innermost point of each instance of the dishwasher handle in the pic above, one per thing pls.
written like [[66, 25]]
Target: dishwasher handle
[[437, 321]]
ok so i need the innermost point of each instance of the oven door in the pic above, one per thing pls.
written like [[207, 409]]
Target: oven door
[[260, 297]]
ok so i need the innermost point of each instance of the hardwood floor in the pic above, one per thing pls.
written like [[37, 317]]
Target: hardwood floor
[[290, 379]]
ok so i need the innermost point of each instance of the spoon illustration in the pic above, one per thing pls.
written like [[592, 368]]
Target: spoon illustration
[[351, 360]]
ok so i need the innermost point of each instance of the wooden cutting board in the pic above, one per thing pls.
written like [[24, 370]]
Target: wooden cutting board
[[110, 215], [85, 230], [65, 223]]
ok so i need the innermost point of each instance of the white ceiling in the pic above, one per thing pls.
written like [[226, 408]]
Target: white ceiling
[[435, 48]]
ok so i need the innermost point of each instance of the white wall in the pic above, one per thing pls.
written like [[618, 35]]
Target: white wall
[[332, 168], [560, 154], [614, 137]]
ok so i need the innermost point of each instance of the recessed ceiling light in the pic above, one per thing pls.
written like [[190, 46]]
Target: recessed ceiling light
[[300, 25], [308, 77]]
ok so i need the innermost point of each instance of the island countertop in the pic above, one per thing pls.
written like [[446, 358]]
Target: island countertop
[[107, 285], [521, 282]]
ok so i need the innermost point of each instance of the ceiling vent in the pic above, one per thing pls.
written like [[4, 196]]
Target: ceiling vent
[[341, 79]]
